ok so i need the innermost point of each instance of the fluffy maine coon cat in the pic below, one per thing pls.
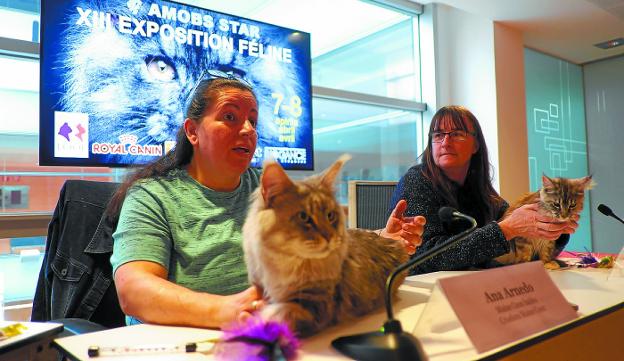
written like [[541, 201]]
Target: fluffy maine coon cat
[[558, 197], [314, 272]]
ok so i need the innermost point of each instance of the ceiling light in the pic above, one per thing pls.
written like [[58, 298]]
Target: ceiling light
[[610, 44]]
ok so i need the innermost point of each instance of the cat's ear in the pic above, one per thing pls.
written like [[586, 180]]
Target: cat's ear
[[547, 182], [328, 178], [587, 182], [274, 181]]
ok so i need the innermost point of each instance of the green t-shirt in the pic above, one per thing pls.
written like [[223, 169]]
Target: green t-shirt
[[191, 230]]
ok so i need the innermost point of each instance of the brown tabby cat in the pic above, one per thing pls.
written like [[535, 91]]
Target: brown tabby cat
[[560, 198], [314, 272]]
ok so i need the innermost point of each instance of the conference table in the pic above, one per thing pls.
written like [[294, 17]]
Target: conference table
[[595, 334]]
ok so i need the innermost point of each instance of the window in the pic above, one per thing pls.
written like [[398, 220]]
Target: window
[[389, 70], [366, 80], [20, 20], [380, 140]]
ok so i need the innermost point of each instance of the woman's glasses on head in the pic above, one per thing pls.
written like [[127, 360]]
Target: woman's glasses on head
[[210, 74], [454, 135]]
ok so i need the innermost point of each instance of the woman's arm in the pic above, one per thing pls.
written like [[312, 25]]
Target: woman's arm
[[145, 293], [526, 221], [482, 245]]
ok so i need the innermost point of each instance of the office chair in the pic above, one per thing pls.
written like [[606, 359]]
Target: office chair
[[75, 284], [368, 203]]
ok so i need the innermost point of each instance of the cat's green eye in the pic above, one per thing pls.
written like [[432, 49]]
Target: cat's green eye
[[557, 206], [303, 217], [572, 204]]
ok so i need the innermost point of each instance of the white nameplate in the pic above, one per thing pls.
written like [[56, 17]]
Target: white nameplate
[[501, 305]]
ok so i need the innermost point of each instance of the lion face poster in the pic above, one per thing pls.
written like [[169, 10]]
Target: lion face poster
[[116, 76]]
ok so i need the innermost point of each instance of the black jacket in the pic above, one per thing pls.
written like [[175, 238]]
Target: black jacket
[[75, 280], [477, 250]]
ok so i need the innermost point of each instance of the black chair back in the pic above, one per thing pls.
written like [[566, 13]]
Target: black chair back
[[76, 278], [368, 203]]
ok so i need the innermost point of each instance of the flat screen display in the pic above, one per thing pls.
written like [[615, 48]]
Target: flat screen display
[[116, 76]]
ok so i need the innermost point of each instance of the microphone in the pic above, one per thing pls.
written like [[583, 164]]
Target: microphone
[[608, 212], [392, 343], [448, 214]]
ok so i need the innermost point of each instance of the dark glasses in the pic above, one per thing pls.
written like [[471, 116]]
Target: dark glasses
[[456, 135]]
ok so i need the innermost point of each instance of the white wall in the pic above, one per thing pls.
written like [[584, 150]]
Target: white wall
[[513, 148]]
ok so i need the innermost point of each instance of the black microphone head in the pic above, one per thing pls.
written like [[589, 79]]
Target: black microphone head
[[605, 210], [446, 214]]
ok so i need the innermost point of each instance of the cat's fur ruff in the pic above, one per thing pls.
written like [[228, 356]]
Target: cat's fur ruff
[[313, 271], [560, 198]]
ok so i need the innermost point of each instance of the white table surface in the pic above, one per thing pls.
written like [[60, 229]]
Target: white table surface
[[588, 288]]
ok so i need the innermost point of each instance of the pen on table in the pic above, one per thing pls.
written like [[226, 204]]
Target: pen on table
[[96, 351]]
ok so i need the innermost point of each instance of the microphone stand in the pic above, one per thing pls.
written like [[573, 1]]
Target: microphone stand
[[392, 343], [608, 212]]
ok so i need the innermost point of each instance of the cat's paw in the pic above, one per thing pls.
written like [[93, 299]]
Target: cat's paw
[[296, 317], [273, 312], [551, 265]]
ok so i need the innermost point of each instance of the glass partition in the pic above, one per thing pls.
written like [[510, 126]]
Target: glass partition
[[381, 141]]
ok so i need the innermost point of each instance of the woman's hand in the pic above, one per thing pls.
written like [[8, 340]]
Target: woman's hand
[[409, 230], [572, 224], [526, 221], [240, 306]]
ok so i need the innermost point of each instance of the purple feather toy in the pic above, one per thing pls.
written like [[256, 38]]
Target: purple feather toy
[[257, 340], [588, 259]]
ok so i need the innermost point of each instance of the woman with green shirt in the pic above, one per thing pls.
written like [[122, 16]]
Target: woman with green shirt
[[177, 256]]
